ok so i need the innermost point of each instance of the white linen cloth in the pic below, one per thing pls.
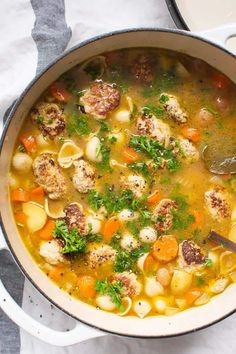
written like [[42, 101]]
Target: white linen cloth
[[18, 62]]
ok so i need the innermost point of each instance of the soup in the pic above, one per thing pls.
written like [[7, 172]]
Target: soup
[[109, 189]]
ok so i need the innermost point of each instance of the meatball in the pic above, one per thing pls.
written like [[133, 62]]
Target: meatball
[[136, 184], [51, 251], [100, 255], [75, 217], [147, 124], [189, 152], [217, 205], [173, 109], [190, 254], [129, 282], [49, 176], [50, 119], [143, 70], [84, 176], [162, 214], [100, 99]]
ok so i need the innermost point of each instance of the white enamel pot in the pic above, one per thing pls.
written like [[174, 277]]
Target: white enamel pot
[[208, 46]]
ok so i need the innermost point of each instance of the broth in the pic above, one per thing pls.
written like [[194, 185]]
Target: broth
[[109, 189]]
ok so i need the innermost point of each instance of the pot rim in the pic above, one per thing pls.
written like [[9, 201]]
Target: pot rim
[[2, 139]]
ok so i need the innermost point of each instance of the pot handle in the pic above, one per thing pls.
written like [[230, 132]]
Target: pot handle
[[220, 34], [78, 334]]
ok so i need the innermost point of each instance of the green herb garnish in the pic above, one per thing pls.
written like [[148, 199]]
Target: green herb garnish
[[159, 154], [140, 167], [78, 124], [39, 119], [182, 219], [21, 148], [127, 260], [73, 242], [208, 262], [200, 281], [114, 289], [114, 201]]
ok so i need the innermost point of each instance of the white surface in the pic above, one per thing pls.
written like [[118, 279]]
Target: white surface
[[200, 15], [87, 19]]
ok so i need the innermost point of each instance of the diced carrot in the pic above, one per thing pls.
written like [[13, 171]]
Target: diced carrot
[[59, 92], [110, 228], [19, 195], [130, 155], [29, 143], [150, 264], [220, 81], [227, 176], [192, 295], [154, 197], [198, 218], [20, 217], [55, 273], [86, 285], [191, 134], [37, 195], [165, 249], [47, 230]]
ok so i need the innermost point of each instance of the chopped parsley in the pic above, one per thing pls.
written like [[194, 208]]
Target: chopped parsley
[[113, 201], [140, 167], [112, 139], [163, 99], [78, 124], [39, 119], [134, 112], [208, 263], [21, 148], [150, 109], [200, 281], [164, 180], [104, 127], [159, 154], [126, 260], [105, 152], [182, 218], [113, 289], [73, 242], [164, 81]]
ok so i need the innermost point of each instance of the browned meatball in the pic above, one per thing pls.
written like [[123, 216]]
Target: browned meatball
[[84, 176], [100, 99], [217, 204], [75, 217], [50, 119], [190, 254], [49, 176], [130, 284], [143, 70], [162, 214]]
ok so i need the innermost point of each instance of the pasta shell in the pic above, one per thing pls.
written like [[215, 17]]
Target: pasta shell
[[227, 262], [55, 210], [98, 60], [68, 153], [127, 303], [36, 216]]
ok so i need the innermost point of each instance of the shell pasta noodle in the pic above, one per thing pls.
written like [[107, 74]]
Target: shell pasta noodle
[[109, 188]]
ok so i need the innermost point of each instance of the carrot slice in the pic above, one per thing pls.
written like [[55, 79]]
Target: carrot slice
[[86, 285], [59, 92], [47, 230], [110, 228], [37, 194], [29, 143], [20, 217], [19, 195], [55, 273], [191, 134], [154, 197], [130, 155], [150, 264], [165, 249], [192, 295]]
